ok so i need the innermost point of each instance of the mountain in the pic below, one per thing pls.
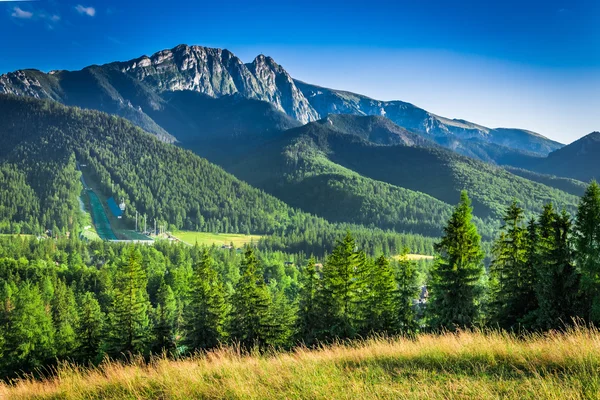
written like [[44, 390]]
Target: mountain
[[335, 169], [578, 160], [328, 101], [139, 89], [42, 143]]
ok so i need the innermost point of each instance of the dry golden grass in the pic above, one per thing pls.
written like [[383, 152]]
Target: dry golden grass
[[464, 366]]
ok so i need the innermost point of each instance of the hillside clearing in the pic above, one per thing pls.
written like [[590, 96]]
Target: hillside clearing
[[464, 365], [207, 238]]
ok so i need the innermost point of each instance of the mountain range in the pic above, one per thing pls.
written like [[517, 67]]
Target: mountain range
[[135, 90], [321, 155]]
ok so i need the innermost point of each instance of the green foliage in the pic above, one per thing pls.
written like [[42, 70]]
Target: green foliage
[[207, 309], [557, 281], [587, 245], [164, 320], [129, 315], [456, 290], [29, 335], [512, 272], [251, 322], [90, 328]]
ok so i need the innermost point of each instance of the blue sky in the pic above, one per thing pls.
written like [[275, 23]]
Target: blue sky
[[527, 64]]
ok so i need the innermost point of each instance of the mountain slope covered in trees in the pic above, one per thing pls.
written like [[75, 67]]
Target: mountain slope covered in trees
[[41, 142], [335, 159], [578, 160]]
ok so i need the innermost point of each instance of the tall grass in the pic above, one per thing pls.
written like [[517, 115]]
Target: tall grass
[[465, 365]]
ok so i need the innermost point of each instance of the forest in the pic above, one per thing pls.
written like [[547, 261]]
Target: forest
[[69, 300]]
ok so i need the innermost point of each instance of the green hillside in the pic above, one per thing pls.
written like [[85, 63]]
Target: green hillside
[[41, 142], [393, 187]]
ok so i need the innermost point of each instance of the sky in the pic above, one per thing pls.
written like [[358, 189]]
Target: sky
[[523, 64]]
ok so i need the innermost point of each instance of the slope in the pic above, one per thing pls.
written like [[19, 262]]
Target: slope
[[389, 185], [41, 141], [578, 160]]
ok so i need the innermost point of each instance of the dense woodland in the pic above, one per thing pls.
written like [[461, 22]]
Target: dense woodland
[[70, 300]]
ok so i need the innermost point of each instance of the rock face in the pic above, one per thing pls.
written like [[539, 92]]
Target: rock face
[[133, 89], [213, 72]]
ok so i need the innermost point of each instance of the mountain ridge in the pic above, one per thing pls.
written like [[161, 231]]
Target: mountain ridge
[[134, 88]]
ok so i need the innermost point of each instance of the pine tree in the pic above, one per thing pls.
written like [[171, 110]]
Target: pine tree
[[557, 280], [529, 277], [587, 244], [205, 315], [64, 316], [165, 336], [130, 322], [512, 286], [283, 317], [408, 291], [456, 290], [30, 334], [309, 320], [382, 306], [90, 329], [251, 321], [342, 283]]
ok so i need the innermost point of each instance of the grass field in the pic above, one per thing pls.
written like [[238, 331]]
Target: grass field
[[207, 238], [452, 366]]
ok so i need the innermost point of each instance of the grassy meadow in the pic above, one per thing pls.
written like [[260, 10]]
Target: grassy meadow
[[468, 365], [207, 238]]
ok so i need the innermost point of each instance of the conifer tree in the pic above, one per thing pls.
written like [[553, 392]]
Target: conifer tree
[[382, 304], [587, 244], [309, 320], [557, 279], [283, 319], [342, 282], [64, 316], [205, 315], [90, 328], [30, 334], [129, 317], [511, 273], [164, 323], [251, 321], [455, 295], [408, 291]]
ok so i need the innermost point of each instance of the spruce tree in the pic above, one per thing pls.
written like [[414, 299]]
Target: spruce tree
[[456, 290], [251, 322], [90, 329], [129, 316], [64, 316], [309, 320], [408, 291], [587, 244], [557, 280], [511, 273], [206, 312], [342, 284], [382, 306], [164, 320], [30, 334]]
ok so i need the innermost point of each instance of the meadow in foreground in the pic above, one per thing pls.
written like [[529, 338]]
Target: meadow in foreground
[[462, 365]]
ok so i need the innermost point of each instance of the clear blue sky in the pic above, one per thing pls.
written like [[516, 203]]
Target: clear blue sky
[[527, 64]]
